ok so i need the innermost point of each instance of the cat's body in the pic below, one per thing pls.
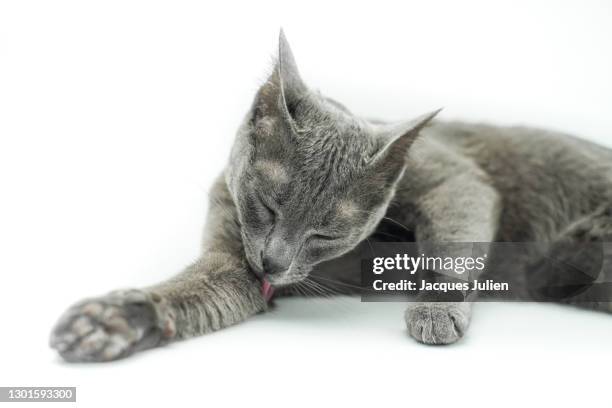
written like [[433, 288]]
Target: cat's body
[[308, 182], [545, 184]]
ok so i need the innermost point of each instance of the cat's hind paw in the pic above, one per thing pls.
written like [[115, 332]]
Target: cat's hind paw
[[113, 326], [438, 322]]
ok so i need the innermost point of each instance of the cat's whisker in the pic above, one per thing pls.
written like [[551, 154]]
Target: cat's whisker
[[389, 219], [330, 291], [337, 299], [398, 223], [315, 289], [302, 290], [370, 245], [337, 282], [324, 291], [308, 292]]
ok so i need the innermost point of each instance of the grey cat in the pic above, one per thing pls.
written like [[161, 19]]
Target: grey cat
[[308, 182]]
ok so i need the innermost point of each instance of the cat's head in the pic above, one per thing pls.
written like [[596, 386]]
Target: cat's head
[[309, 179]]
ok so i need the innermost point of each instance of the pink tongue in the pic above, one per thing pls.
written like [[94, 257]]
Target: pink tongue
[[266, 289]]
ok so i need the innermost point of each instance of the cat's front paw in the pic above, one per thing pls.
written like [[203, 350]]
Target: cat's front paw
[[113, 326], [438, 322]]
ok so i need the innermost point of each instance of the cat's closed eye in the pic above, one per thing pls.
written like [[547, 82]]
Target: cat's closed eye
[[258, 211], [324, 237], [269, 212]]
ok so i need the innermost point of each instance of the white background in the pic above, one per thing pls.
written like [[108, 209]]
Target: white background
[[115, 116]]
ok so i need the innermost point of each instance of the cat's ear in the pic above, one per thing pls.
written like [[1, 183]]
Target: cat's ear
[[292, 88], [284, 88], [395, 140]]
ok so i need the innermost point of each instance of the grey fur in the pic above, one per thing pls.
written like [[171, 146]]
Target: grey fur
[[308, 182]]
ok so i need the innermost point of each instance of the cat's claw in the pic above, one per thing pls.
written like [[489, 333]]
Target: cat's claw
[[113, 326], [438, 322]]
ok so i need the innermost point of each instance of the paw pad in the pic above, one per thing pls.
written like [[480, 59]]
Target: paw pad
[[113, 326]]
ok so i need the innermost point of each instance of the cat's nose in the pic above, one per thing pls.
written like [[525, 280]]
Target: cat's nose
[[277, 255], [271, 267]]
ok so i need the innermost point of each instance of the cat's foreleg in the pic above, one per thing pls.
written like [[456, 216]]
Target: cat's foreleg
[[462, 210], [216, 291]]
